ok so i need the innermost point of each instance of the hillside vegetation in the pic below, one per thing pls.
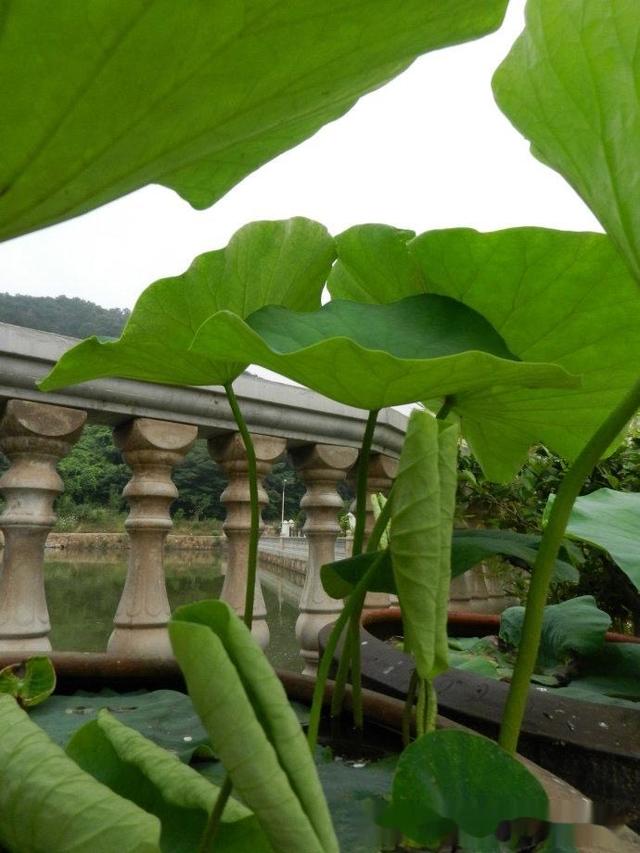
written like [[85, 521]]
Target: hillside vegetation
[[75, 317]]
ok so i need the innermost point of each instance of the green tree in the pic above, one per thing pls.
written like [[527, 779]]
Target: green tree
[[200, 483], [94, 473], [519, 505], [77, 318]]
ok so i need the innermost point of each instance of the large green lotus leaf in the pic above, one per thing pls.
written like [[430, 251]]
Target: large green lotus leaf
[[573, 627], [472, 546], [49, 805], [265, 263], [101, 98], [553, 296], [442, 782], [571, 85], [610, 520], [468, 548], [372, 356], [158, 782], [247, 714]]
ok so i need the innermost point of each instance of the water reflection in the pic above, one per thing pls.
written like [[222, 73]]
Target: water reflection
[[83, 595]]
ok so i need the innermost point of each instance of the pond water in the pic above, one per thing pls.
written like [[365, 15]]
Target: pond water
[[83, 594]]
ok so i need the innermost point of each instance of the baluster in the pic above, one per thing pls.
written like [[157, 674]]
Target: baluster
[[152, 449], [322, 467], [228, 451], [478, 591], [381, 474], [34, 436]]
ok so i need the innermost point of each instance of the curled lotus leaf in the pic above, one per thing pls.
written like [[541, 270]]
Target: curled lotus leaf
[[372, 356], [553, 296]]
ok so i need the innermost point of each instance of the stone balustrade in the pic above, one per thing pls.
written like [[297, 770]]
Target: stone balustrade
[[154, 427], [322, 467], [229, 452], [152, 449], [34, 437]]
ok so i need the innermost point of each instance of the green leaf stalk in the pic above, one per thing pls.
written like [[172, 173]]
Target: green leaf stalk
[[547, 554]]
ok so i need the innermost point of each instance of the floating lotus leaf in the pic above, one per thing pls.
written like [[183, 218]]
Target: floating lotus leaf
[[30, 683]]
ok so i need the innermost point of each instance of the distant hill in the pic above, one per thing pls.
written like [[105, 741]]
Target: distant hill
[[77, 318]]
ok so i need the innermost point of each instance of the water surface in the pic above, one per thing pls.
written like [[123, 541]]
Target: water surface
[[83, 595]]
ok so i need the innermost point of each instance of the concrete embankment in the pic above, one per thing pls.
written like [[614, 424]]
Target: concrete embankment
[[291, 569], [120, 542]]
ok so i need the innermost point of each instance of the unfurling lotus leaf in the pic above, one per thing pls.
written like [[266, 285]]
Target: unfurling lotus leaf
[[157, 781], [47, 803], [422, 504], [252, 726]]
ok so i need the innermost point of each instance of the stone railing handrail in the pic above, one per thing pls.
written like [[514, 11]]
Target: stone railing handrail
[[270, 408], [154, 427]]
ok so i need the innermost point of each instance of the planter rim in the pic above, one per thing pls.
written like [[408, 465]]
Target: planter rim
[[482, 620], [595, 746], [73, 668], [548, 717]]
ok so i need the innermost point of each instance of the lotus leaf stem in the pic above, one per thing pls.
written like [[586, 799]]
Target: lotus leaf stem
[[254, 533], [215, 818], [543, 568], [325, 661]]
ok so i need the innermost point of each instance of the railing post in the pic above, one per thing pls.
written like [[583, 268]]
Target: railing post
[[322, 467], [34, 436], [382, 472], [477, 591], [151, 448], [228, 451]]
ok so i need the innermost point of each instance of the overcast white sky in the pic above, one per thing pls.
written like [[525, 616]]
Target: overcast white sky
[[429, 150]]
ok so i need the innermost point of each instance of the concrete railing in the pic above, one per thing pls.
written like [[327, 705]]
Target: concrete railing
[[154, 427]]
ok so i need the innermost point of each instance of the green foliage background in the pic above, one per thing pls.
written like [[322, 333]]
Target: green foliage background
[[94, 475], [519, 506]]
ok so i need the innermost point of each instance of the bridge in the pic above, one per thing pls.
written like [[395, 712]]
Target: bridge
[[154, 426]]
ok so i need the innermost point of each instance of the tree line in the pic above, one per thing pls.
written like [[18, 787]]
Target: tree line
[[94, 473], [64, 315]]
